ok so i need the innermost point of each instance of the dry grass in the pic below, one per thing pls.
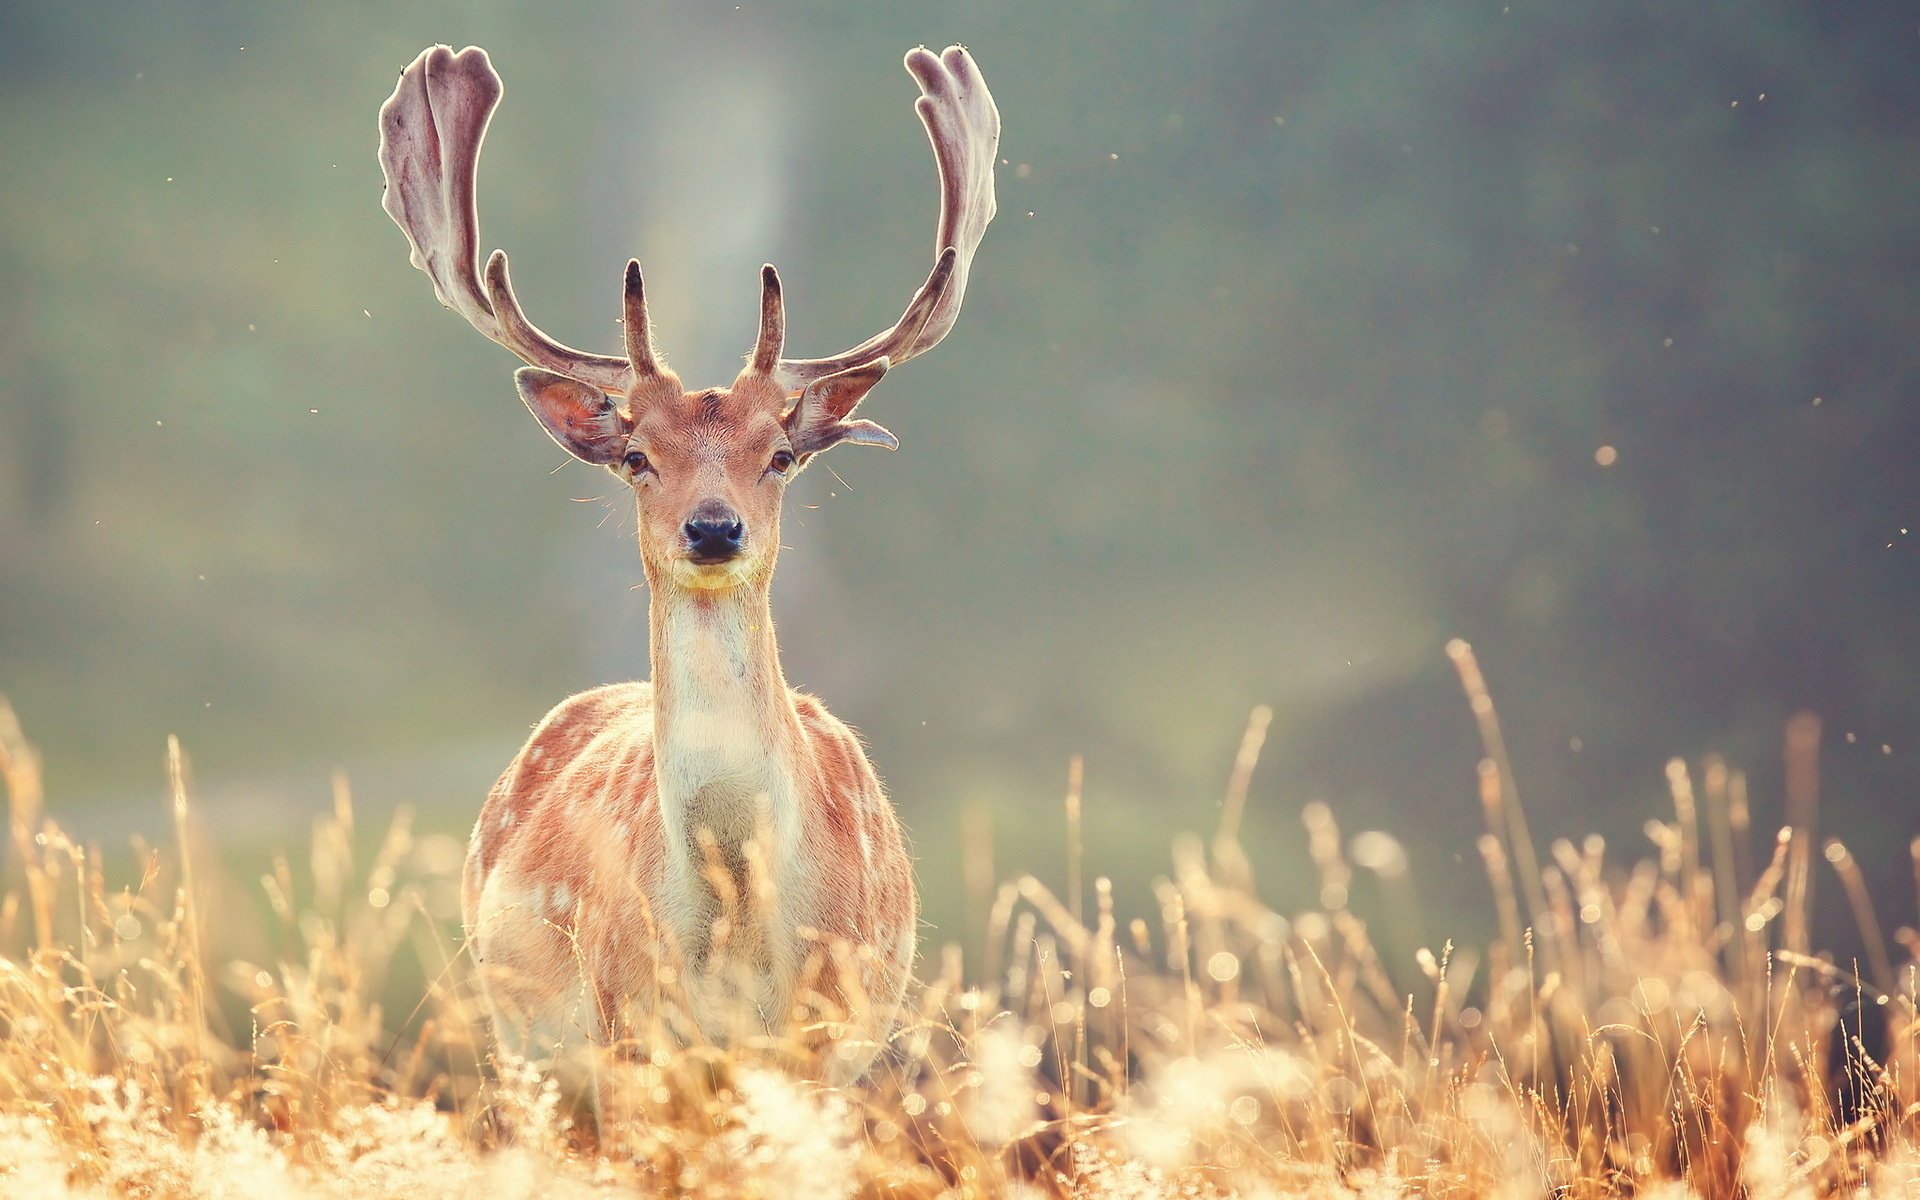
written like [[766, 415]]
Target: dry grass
[[1657, 1028]]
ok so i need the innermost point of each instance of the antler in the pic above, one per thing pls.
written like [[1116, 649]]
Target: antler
[[430, 134], [431, 129], [773, 325], [964, 127]]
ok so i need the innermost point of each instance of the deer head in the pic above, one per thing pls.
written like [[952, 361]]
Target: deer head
[[709, 467]]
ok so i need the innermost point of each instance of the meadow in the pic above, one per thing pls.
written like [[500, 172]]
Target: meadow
[[1644, 1024]]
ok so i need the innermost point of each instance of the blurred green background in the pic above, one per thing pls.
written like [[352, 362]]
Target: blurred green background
[[1288, 359]]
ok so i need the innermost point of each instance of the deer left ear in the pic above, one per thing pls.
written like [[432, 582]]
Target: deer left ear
[[818, 420], [583, 419]]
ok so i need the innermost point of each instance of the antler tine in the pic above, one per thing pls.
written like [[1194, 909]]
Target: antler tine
[[431, 129], [964, 127], [773, 324], [638, 332]]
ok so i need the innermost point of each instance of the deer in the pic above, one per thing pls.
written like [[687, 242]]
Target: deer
[[707, 856]]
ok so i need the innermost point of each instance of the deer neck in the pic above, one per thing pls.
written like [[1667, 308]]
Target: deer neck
[[725, 731]]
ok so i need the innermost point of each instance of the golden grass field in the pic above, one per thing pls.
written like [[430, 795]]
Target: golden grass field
[[1656, 1027]]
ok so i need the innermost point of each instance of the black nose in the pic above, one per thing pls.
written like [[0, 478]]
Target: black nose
[[714, 539]]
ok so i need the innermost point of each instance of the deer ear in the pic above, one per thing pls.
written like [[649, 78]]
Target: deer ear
[[818, 420], [583, 419]]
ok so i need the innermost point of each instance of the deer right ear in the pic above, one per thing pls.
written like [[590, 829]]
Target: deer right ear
[[583, 419], [818, 420]]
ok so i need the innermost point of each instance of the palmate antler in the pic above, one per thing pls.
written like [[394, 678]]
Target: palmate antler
[[431, 129], [430, 134], [964, 127]]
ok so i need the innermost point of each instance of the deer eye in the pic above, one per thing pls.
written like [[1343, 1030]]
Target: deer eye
[[782, 462], [637, 462]]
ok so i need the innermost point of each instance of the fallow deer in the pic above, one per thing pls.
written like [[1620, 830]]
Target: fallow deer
[[708, 855]]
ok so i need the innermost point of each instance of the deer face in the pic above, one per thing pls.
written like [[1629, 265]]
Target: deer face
[[709, 473], [708, 469]]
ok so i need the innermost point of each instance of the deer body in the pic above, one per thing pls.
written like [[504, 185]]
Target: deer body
[[708, 856], [603, 811]]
